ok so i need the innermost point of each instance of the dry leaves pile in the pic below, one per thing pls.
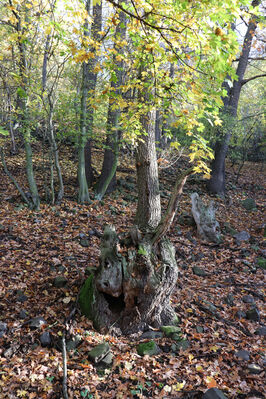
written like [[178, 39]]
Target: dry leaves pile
[[36, 247]]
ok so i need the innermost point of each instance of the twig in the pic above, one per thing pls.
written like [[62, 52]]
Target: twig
[[64, 354]]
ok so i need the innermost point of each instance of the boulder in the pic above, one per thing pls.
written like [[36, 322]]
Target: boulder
[[242, 354], [249, 204], [169, 331], [199, 272], [60, 282], [253, 314], [148, 348], [100, 352], [242, 236], [261, 331], [46, 339]]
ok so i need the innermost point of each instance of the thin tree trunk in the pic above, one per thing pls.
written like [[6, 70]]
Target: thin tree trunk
[[149, 205], [216, 184]]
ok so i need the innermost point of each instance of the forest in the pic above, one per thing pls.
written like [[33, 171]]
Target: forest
[[132, 189]]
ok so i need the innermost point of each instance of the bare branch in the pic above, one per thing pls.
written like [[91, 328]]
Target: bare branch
[[244, 81]]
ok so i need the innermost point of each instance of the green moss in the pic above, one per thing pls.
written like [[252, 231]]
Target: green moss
[[170, 330], [261, 262], [148, 348], [86, 297]]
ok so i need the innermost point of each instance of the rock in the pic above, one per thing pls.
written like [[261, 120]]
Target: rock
[[199, 272], [214, 393], [248, 299], [60, 281], [170, 330], [183, 344], [261, 262], [107, 360], [3, 329], [254, 369], [151, 335], [199, 329], [242, 236], [84, 242], [253, 314], [73, 343], [46, 339], [249, 204], [36, 322], [186, 220], [148, 348], [229, 299], [101, 351], [242, 354], [240, 314], [261, 331], [23, 314], [21, 297]]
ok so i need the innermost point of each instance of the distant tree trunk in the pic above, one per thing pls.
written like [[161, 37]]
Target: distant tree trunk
[[91, 78], [24, 116], [216, 184], [107, 179]]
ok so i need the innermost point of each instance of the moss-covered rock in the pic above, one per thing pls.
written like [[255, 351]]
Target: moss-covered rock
[[169, 331], [148, 348], [261, 262], [86, 297], [249, 204]]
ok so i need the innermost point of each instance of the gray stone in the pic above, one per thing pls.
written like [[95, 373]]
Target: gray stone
[[248, 299], [107, 360], [3, 329], [229, 299], [36, 322], [148, 348], [199, 272], [46, 339], [254, 369], [97, 354], [151, 335], [240, 314], [23, 314], [199, 329], [249, 204], [253, 314], [242, 236], [84, 242], [214, 393], [261, 331], [242, 354], [183, 344], [60, 281]]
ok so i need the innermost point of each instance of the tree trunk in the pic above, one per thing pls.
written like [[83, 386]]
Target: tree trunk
[[216, 184], [149, 204], [107, 179], [91, 78], [128, 294]]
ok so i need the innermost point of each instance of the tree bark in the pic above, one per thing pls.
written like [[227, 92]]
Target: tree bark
[[216, 184]]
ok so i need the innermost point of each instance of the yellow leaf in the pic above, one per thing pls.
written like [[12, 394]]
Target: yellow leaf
[[218, 122], [179, 386], [21, 393], [214, 348]]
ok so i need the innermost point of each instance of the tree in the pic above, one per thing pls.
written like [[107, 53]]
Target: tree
[[216, 183], [131, 288]]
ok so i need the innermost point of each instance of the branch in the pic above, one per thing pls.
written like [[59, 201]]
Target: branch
[[168, 218], [23, 195], [244, 81], [64, 354]]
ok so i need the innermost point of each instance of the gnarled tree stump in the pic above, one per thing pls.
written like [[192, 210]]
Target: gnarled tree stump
[[131, 288]]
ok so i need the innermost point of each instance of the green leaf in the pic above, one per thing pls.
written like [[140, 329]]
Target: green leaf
[[4, 132]]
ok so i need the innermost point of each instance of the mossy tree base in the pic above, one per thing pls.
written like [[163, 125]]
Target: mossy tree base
[[132, 286]]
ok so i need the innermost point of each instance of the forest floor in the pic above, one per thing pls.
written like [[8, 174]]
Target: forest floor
[[215, 309]]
